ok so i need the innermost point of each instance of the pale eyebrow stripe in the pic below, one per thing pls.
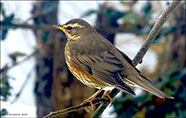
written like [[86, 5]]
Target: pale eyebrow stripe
[[74, 25]]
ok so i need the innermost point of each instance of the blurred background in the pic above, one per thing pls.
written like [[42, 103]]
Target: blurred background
[[34, 76]]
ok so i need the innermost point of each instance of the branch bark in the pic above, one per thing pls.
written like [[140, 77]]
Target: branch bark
[[155, 30], [76, 108]]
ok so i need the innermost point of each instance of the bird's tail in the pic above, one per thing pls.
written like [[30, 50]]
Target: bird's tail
[[142, 83]]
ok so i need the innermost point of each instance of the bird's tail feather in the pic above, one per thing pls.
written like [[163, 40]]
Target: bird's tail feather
[[149, 88]]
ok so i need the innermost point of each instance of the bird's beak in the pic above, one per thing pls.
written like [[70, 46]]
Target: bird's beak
[[59, 27]]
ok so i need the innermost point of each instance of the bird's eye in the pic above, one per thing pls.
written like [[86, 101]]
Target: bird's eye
[[69, 28]]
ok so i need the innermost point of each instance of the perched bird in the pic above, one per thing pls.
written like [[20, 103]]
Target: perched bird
[[97, 63]]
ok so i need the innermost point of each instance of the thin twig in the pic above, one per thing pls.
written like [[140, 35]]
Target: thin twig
[[138, 58], [102, 107], [76, 108], [36, 51], [155, 30], [23, 85], [28, 57]]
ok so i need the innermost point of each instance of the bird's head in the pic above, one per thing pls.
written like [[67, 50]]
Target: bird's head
[[76, 28]]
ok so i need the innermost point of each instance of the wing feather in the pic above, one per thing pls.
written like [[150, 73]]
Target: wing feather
[[105, 67]]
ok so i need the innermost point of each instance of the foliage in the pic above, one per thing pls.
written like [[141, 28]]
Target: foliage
[[3, 112], [147, 105], [172, 81], [5, 25], [106, 12], [5, 86], [6, 22]]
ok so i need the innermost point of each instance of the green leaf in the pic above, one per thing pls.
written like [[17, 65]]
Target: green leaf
[[2, 10], [88, 13], [168, 30], [147, 16], [3, 34], [171, 115], [130, 16], [112, 14], [147, 8], [9, 19], [3, 112], [122, 2], [163, 33]]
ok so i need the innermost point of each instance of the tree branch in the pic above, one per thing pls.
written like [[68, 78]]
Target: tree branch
[[23, 85], [28, 57], [76, 108], [155, 30], [138, 58], [102, 107]]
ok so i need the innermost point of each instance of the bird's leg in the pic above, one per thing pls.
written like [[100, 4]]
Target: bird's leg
[[107, 94], [91, 98]]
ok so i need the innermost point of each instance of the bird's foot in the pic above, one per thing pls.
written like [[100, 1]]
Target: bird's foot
[[107, 95], [90, 100], [92, 105]]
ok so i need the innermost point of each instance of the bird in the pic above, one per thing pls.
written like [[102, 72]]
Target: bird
[[97, 63]]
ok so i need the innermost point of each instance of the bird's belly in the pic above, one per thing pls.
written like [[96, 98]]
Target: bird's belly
[[86, 78]]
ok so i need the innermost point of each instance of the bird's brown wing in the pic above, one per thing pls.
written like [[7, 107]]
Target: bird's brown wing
[[120, 73], [137, 79], [130, 62], [104, 67]]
